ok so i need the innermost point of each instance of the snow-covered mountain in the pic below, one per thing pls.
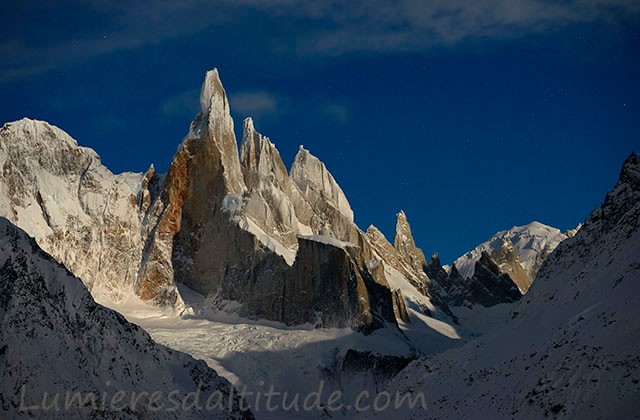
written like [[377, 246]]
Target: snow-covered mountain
[[500, 270], [519, 252], [55, 340], [79, 212], [572, 349]]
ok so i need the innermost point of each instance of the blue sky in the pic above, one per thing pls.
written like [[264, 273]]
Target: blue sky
[[470, 116]]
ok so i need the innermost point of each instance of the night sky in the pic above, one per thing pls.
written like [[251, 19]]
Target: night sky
[[471, 116]]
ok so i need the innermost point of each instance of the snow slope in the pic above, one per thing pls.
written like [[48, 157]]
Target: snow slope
[[259, 354]]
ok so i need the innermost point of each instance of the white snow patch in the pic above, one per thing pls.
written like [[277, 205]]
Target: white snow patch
[[274, 245], [328, 240]]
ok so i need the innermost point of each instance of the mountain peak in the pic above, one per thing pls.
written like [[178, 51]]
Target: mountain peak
[[259, 158], [211, 87], [534, 225], [405, 244], [247, 124], [309, 173], [532, 243], [403, 230], [618, 201], [31, 130], [630, 173], [216, 112]]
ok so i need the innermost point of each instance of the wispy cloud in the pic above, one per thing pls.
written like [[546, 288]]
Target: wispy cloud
[[336, 27], [257, 104], [379, 26], [337, 112], [316, 28], [264, 105], [182, 105]]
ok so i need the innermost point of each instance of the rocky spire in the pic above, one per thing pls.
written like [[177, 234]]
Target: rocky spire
[[205, 169], [435, 260], [213, 98], [215, 126], [435, 271], [314, 180], [405, 245], [259, 158], [268, 203]]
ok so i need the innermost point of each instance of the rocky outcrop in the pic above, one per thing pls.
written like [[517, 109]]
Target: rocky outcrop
[[499, 284], [436, 272], [508, 262], [390, 256], [488, 287], [408, 260], [357, 370]]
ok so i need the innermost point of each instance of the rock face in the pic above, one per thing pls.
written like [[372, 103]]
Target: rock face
[[78, 211], [391, 257], [489, 285], [54, 338], [508, 262], [576, 333], [320, 202], [184, 243], [270, 188], [498, 283]]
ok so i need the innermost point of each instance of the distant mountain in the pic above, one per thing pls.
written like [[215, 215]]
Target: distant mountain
[[572, 349], [519, 252], [55, 340], [500, 270]]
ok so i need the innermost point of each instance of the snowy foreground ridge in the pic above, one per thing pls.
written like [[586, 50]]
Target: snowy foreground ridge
[[261, 272], [55, 340]]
